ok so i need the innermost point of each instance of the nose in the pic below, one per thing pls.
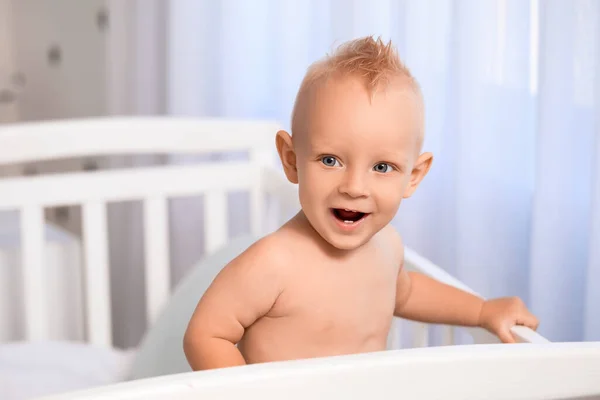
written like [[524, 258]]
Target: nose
[[354, 184]]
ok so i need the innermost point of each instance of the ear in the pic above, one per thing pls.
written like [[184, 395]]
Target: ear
[[419, 171], [285, 148]]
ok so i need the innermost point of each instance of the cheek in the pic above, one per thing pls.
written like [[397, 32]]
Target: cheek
[[312, 189], [316, 182], [389, 194]]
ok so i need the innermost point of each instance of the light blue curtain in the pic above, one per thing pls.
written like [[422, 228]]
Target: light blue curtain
[[512, 89]]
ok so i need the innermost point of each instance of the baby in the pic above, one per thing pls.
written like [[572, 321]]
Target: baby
[[329, 281]]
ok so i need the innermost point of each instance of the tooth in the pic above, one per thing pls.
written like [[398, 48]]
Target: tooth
[[349, 222]]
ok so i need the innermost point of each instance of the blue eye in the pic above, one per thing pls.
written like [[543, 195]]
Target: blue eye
[[329, 161], [382, 167]]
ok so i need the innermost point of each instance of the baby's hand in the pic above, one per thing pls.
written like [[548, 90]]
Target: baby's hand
[[499, 315]]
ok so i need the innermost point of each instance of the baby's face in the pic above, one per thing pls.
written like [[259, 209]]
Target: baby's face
[[355, 157]]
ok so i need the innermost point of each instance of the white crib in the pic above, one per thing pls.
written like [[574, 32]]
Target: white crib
[[425, 371]]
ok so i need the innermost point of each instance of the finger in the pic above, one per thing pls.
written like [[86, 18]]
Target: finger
[[505, 336], [529, 320]]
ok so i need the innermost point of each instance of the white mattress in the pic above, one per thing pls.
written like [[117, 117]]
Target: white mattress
[[29, 370]]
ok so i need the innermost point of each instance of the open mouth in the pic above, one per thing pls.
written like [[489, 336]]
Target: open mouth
[[347, 216]]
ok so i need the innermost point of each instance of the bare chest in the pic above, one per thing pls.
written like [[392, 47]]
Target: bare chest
[[351, 299]]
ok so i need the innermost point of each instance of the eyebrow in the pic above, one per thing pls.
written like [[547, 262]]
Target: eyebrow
[[393, 156], [321, 147]]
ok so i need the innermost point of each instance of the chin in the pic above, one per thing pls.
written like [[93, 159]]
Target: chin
[[347, 245], [345, 242]]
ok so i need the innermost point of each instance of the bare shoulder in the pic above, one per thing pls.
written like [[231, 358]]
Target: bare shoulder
[[403, 279], [392, 235], [394, 241], [243, 291], [276, 244], [266, 256]]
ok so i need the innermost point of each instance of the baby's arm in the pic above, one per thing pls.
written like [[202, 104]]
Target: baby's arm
[[424, 299], [242, 292]]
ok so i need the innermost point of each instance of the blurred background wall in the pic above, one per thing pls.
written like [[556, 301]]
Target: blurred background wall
[[512, 91]]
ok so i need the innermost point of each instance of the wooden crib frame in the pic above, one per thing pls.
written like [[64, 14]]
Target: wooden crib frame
[[258, 174]]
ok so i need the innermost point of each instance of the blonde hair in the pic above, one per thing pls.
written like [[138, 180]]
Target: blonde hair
[[375, 62]]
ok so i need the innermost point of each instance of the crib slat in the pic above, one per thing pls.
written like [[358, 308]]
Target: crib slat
[[32, 247], [285, 213], [395, 335], [98, 313], [420, 335], [272, 212], [156, 245], [215, 217], [257, 206], [448, 336], [258, 198]]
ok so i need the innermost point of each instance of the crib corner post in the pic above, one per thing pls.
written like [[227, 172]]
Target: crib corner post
[[260, 157]]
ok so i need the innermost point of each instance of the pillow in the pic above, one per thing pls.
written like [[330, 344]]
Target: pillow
[[161, 350]]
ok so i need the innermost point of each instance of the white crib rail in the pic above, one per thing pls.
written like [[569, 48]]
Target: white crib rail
[[133, 135], [154, 186], [522, 371]]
